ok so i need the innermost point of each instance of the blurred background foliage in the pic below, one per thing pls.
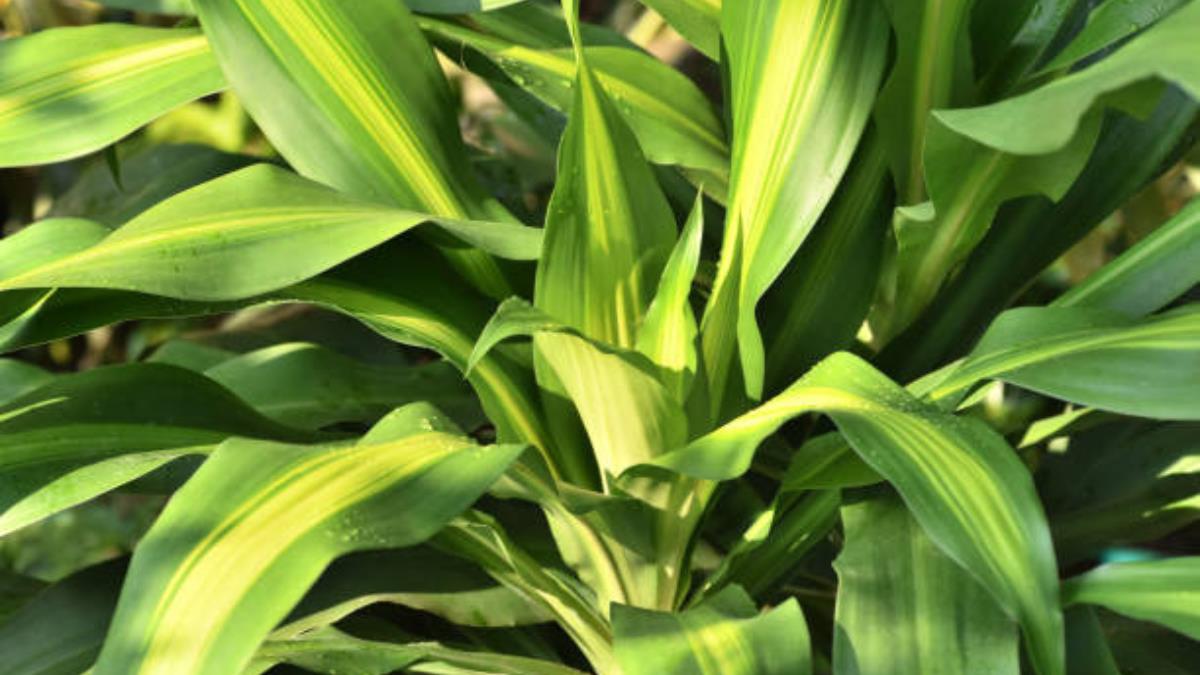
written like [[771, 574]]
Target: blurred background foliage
[[207, 138]]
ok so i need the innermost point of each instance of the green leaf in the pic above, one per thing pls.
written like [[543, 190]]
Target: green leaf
[[668, 333], [629, 415], [805, 316], [84, 434], [199, 598], [59, 631], [670, 117], [333, 652], [1147, 277], [151, 174], [457, 6], [609, 229], [307, 386], [69, 91], [352, 96], [431, 308], [1030, 234], [932, 70], [725, 635], [699, 21], [1164, 51], [1092, 357], [481, 539], [802, 76], [1087, 650], [18, 377], [967, 183], [961, 481], [1162, 591], [775, 542], [257, 230], [904, 607], [827, 461], [1121, 482], [1110, 22], [433, 582], [1013, 54], [977, 158], [183, 7]]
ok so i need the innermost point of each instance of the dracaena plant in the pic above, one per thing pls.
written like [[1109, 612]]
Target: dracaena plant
[[722, 403]]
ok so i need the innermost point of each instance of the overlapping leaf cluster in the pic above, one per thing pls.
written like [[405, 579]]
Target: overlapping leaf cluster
[[735, 373]]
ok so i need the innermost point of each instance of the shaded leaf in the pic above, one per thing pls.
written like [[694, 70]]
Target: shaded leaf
[[66, 92]]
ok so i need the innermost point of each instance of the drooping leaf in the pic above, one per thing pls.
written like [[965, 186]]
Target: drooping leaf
[[1162, 591], [961, 481], [84, 434], [976, 158], [70, 91], [802, 79], [480, 538], [333, 652], [419, 577], [352, 96], [18, 377], [151, 174], [307, 386], [430, 308], [904, 607], [1112, 21], [725, 635], [200, 598], [1031, 233], [1091, 357], [1155, 271], [1163, 51], [257, 230], [671, 119]]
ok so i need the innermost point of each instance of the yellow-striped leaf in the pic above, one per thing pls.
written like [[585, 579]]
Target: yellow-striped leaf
[[1093, 357], [961, 480], [1163, 591], [250, 232], [1155, 271], [609, 229], [724, 636], [803, 77], [227, 559], [670, 117], [629, 415], [70, 91], [351, 94]]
